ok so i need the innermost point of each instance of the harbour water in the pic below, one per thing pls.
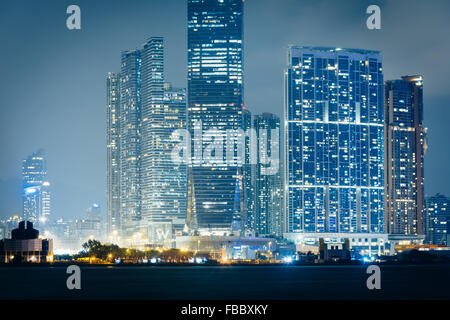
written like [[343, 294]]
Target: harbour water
[[226, 282]]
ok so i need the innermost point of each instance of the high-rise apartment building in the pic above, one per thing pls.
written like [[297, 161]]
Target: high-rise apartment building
[[113, 151], [215, 93], [153, 114], [404, 161], [169, 181], [35, 188], [437, 220], [268, 187], [130, 142], [146, 190], [249, 176], [334, 142]]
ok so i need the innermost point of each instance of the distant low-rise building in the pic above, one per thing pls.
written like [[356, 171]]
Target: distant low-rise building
[[334, 251], [227, 247]]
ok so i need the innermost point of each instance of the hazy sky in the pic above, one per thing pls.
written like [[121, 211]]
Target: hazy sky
[[52, 80]]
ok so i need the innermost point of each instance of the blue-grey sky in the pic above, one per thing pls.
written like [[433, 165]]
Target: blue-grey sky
[[52, 83]]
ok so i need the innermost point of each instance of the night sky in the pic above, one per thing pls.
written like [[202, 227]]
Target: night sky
[[53, 88]]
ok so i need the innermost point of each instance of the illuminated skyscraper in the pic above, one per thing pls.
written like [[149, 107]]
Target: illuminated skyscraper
[[334, 139], [36, 193], [215, 85], [405, 148], [130, 142], [437, 220], [268, 189], [146, 186], [153, 125], [249, 176], [113, 151], [168, 199]]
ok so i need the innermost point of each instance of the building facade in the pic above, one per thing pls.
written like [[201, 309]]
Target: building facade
[[249, 178], [113, 152], [25, 246], [334, 137], [153, 117], [269, 190], [215, 92], [130, 142], [169, 179], [404, 161], [146, 190], [437, 220], [35, 188]]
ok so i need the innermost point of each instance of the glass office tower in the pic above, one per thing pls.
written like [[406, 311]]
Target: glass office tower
[[35, 188], [405, 148], [130, 138], [215, 84], [437, 220], [334, 139], [113, 151]]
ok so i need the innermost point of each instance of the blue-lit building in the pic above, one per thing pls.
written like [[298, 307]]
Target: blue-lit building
[[404, 162], [334, 135], [249, 178], [215, 93], [35, 188], [268, 187], [437, 220]]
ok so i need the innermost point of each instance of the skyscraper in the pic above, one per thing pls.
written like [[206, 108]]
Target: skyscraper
[[437, 220], [36, 193], [405, 148], [113, 151], [153, 117], [130, 142], [148, 189], [168, 179], [249, 176], [268, 189], [334, 139], [215, 85]]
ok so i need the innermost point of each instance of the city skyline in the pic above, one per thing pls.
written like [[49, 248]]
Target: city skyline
[[88, 186]]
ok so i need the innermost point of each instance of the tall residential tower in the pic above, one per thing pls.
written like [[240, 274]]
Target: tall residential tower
[[334, 137], [147, 193], [113, 152], [268, 187], [130, 142], [405, 148]]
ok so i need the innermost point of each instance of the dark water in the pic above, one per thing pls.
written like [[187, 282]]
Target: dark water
[[225, 282]]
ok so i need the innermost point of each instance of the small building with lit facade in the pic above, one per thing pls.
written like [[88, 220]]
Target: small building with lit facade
[[360, 244], [228, 247], [26, 246]]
